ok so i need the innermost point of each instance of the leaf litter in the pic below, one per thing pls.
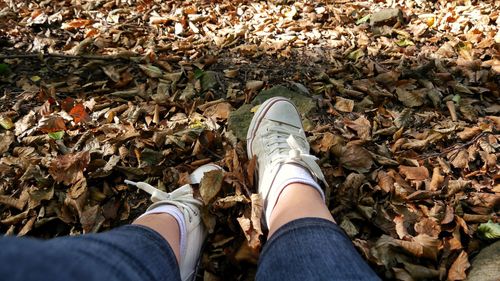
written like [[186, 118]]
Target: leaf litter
[[400, 104]]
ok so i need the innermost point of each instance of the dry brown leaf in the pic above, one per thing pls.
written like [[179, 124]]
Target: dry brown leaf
[[449, 215], [247, 254], [455, 186], [454, 242], [324, 143], [415, 144], [362, 127], [445, 166], [252, 226], [355, 157], [36, 196], [459, 266], [91, 219], [414, 173], [400, 227], [410, 99], [489, 159], [230, 201], [428, 226], [219, 111], [76, 23], [24, 123], [254, 85], [344, 105], [210, 185], [421, 245], [385, 181], [256, 217], [388, 77], [69, 168], [6, 139], [469, 133], [437, 179]]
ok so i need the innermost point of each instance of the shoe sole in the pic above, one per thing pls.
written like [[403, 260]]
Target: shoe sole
[[257, 119]]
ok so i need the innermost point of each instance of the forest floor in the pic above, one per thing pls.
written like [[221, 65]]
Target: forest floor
[[400, 101]]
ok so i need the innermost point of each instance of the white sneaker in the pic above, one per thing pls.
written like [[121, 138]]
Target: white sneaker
[[183, 199], [276, 137]]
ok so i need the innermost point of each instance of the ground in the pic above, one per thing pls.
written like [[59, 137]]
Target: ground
[[400, 101]]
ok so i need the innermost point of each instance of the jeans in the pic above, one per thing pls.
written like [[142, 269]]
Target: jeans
[[304, 249]]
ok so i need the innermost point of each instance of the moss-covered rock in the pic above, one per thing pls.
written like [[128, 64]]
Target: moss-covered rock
[[304, 104], [239, 120]]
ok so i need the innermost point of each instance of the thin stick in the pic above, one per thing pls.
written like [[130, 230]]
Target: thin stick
[[54, 55]]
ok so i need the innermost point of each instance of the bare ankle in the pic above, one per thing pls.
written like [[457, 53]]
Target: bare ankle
[[297, 201]]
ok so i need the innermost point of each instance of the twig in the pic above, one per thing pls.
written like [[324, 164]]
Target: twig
[[64, 56], [449, 149]]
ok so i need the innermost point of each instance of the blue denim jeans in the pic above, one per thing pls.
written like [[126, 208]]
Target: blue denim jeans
[[305, 249]]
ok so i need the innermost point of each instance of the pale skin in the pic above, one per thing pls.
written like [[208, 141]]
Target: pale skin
[[166, 226], [296, 201]]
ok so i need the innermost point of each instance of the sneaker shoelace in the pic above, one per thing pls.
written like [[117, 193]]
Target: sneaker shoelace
[[292, 149], [180, 196]]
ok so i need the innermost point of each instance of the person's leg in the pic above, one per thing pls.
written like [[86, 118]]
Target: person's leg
[[166, 225], [130, 252], [304, 241], [306, 202], [162, 244]]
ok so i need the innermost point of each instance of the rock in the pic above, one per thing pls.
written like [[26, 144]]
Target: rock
[[304, 104], [486, 265], [239, 120], [208, 81], [387, 17]]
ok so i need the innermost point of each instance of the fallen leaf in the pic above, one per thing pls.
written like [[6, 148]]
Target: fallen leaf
[[469, 133], [69, 168], [385, 181], [151, 70], [355, 157], [79, 114], [230, 201], [6, 139], [460, 160], [345, 105], [252, 226], [52, 124], [92, 219], [428, 226], [437, 179], [254, 85], [6, 122], [489, 230], [414, 173], [210, 185], [219, 111], [24, 123], [76, 23], [56, 135], [400, 227], [459, 266], [362, 127], [410, 99]]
